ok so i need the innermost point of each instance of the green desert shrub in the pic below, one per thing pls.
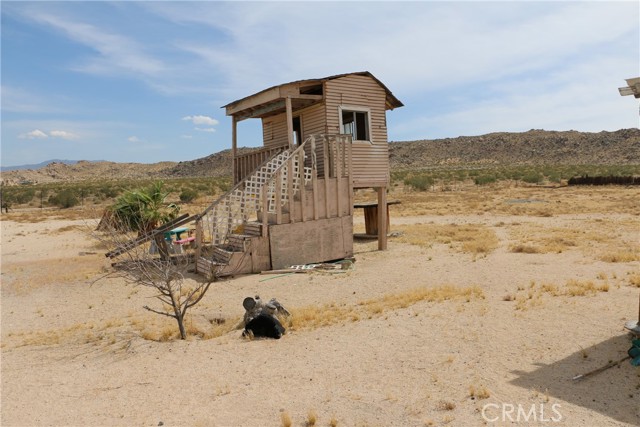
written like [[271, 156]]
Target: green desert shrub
[[64, 199]]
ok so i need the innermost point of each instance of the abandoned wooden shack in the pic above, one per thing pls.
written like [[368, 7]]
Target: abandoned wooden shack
[[292, 198]]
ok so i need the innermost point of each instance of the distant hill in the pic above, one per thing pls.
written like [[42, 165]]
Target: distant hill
[[542, 147], [37, 165], [621, 147]]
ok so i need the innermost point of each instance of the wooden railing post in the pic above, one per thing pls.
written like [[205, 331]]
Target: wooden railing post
[[199, 233], [278, 196], [290, 172], [265, 209], [338, 149], [382, 218], [325, 148], [302, 184]]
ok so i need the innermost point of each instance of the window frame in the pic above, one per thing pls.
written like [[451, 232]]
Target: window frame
[[357, 109]]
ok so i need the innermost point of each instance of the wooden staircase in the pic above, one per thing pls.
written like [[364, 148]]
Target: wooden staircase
[[234, 234], [240, 254]]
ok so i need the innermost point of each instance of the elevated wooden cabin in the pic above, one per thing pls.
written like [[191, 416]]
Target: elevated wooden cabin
[[353, 104], [292, 201]]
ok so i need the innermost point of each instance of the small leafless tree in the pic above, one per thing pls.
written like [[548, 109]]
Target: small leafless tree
[[144, 266]]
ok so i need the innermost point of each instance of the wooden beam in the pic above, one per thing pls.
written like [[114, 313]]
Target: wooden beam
[[253, 101], [292, 204], [310, 97], [234, 147], [199, 238], [265, 210], [278, 196], [260, 111], [303, 190], [338, 162], [382, 218], [325, 164], [289, 122], [314, 184]]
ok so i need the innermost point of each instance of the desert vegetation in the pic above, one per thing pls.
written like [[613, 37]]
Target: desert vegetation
[[105, 191]]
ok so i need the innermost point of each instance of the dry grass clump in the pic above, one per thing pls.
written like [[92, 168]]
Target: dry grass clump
[[312, 317], [40, 215], [614, 241], [532, 296], [467, 238], [478, 393], [624, 255], [634, 280], [285, 418], [536, 239], [312, 418], [161, 329], [576, 288], [107, 332], [445, 405], [113, 330], [525, 249]]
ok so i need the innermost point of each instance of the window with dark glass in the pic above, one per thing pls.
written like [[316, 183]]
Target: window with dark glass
[[356, 123]]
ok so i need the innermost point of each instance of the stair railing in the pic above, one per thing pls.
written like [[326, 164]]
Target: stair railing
[[233, 208], [273, 185]]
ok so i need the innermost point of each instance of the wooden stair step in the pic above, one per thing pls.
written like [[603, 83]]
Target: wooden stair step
[[221, 255], [253, 229], [208, 267], [238, 242]]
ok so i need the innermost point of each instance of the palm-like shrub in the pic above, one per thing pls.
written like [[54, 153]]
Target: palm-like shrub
[[143, 210]]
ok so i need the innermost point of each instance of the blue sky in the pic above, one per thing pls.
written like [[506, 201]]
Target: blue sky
[[144, 81]]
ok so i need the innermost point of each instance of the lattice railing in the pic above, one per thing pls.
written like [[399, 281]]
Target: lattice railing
[[235, 207], [241, 203]]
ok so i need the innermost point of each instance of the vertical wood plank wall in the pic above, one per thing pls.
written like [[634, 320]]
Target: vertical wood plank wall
[[370, 161], [274, 131]]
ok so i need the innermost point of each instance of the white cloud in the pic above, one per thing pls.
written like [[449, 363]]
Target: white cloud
[[34, 134], [205, 129], [186, 136], [201, 120], [133, 139], [63, 134], [116, 53]]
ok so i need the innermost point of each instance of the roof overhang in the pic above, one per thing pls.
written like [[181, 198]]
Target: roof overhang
[[633, 88], [271, 101]]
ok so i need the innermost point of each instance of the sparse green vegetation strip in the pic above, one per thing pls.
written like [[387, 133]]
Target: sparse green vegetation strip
[[426, 179], [189, 190], [66, 195]]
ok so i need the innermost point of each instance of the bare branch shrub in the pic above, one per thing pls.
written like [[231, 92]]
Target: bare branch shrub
[[151, 265]]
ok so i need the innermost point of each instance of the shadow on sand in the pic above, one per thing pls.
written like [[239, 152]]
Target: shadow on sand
[[613, 392]]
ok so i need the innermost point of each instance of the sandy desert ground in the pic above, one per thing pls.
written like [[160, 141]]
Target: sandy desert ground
[[489, 301]]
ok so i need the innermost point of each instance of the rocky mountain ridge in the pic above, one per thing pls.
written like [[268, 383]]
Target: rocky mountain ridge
[[533, 147]]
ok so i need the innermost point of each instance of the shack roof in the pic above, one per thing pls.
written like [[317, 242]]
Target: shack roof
[[270, 101]]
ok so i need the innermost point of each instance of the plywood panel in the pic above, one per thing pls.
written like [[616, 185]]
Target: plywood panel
[[311, 242]]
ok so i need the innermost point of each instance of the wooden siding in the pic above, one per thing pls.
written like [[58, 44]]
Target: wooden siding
[[370, 160], [313, 122], [274, 131]]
